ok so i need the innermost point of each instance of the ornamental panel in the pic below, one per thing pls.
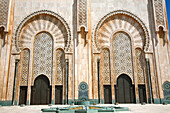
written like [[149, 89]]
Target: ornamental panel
[[82, 13], [83, 91], [159, 14], [105, 62], [25, 57], [59, 67], [4, 6], [166, 89], [140, 66], [122, 55], [43, 52]]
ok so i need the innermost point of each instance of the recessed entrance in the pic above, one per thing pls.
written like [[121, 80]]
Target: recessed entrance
[[41, 91], [125, 90]]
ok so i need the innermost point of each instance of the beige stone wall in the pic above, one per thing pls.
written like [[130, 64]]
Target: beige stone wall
[[83, 52]]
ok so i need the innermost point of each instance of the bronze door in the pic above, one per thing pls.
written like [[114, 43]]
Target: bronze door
[[142, 93], [23, 95], [124, 90], [41, 91], [107, 94], [58, 94]]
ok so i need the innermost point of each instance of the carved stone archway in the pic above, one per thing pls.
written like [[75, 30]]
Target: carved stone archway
[[120, 21]]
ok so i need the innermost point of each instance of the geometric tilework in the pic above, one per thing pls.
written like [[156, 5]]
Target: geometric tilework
[[59, 66], [159, 13], [122, 54], [83, 91], [4, 5], [25, 56], [140, 66], [105, 60], [166, 90], [43, 55]]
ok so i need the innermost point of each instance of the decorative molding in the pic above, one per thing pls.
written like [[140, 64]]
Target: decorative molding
[[82, 15], [4, 7], [125, 13], [37, 13]]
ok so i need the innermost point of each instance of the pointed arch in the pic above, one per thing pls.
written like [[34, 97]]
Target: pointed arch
[[43, 20], [121, 20]]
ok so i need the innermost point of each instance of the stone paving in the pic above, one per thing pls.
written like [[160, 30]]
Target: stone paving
[[134, 108]]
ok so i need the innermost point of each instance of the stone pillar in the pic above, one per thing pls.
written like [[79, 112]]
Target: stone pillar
[[98, 71], [15, 80], [149, 80], [67, 71]]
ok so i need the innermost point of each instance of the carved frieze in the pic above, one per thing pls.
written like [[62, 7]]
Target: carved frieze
[[82, 14], [4, 6], [159, 14]]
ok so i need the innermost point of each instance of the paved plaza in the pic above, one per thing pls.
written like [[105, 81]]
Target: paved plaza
[[134, 108]]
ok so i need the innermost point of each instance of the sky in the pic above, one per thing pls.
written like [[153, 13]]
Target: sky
[[168, 11]]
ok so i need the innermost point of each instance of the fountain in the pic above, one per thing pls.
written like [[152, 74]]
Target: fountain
[[85, 108]]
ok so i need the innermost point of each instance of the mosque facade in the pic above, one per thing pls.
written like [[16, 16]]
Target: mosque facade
[[102, 51]]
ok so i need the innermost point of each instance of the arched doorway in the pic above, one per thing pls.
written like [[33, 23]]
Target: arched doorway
[[125, 90], [41, 91]]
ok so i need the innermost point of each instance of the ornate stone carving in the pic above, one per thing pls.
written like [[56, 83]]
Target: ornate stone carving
[[25, 57], [4, 6], [123, 21], [43, 20], [140, 66], [105, 68], [43, 55], [159, 14], [60, 60], [82, 14], [122, 55]]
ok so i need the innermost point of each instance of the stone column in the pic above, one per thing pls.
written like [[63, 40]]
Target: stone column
[[15, 80], [98, 71], [67, 71], [149, 80]]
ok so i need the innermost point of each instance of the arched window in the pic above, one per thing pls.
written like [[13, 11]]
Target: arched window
[[43, 55], [140, 62], [25, 57], [105, 66], [60, 61]]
